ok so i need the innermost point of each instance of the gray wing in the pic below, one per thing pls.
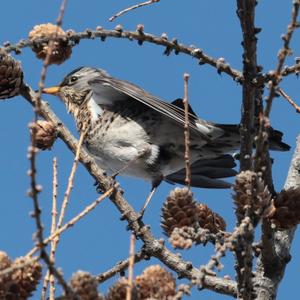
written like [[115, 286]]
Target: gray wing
[[107, 89], [206, 173]]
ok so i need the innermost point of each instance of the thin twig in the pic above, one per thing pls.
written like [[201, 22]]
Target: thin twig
[[49, 277], [71, 178], [120, 267], [74, 220], [68, 290], [288, 98], [187, 180], [53, 226], [130, 267], [295, 69], [48, 54], [122, 12]]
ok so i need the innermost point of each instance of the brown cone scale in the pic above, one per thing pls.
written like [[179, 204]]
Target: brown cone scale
[[11, 76]]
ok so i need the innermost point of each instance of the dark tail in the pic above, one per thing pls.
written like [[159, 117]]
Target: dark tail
[[275, 136], [206, 173]]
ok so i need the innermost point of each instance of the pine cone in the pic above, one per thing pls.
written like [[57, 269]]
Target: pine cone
[[252, 194], [178, 210], [45, 134], [209, 219], [118, 291], [85, 286], [5, 280], [61, 49], [11, 76], [287, 209], [156, 283], [25, 279], [182, 238]]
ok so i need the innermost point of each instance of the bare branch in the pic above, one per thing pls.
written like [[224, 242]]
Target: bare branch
[[262, 156], [275, 256], [73, 221], [141, 37], [243, 249]]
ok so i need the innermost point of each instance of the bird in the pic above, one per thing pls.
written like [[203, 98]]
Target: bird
[[134, 133]]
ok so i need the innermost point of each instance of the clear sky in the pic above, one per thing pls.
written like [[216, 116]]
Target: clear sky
[[100, 240]]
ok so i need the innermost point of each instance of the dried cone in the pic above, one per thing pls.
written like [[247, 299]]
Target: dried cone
[[61, 50], [5, 280], [179, 210], [287, 209], [252, 194], [119, 289], [156, 283], [209, 219], [45, 134], [85, 286], [182, 238], [25, 279], [11, 76]]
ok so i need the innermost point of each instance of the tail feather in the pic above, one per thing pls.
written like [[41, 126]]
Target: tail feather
[[275, 141], [206, 173], [275, 136]]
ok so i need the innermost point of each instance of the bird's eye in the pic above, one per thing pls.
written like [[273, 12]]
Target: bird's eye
[[73, 79]]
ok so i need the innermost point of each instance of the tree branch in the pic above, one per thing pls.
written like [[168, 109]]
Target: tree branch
[[243, 250], [140, 36], [272, 262]]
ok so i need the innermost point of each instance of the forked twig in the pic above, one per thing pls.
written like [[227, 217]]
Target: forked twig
[[71, 178], [283, 53], [288, 98], [122, 12], [187, 180], [72, 222]]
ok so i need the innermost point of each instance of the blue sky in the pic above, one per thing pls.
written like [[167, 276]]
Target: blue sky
[[100, 240]]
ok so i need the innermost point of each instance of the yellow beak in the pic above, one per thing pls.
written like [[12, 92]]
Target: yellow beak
[[54, 90]]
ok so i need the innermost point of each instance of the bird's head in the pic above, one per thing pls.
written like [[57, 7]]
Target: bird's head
[[74, 89]]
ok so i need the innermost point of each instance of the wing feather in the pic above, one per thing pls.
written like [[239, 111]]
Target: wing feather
[[108, 89]]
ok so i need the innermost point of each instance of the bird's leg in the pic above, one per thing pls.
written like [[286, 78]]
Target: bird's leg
[[154, 187]]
